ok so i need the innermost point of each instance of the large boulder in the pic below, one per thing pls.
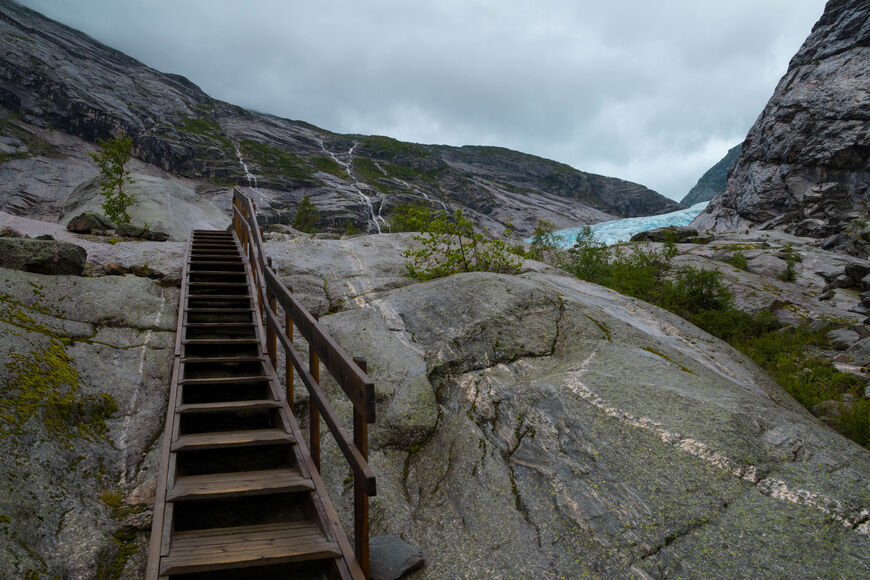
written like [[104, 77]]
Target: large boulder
[[88, 221], [573, 431], [805, 165], [42, 256], [678, 234]]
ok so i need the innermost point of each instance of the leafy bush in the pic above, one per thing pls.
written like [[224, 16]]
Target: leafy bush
[[453, 246], [111, 158], [738, 260], [545, 242], [307, 217], [411, 217]]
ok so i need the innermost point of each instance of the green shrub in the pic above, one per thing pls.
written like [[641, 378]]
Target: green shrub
[[111, 158], [790, 273], [738, 260], [545, 242], [412, 217], [453, 246], [307, 217]]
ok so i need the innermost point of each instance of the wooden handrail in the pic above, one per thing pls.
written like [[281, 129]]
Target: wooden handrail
[[350, 374]]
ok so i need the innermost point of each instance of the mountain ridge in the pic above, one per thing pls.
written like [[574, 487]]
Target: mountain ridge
[[81, 87]]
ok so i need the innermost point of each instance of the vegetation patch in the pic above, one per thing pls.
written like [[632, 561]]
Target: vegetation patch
[[329, 165], [307, 217], [273, 162], [34, 144], [392, 148], [667, 358], [811, 379], [738, 260], [369, 172]]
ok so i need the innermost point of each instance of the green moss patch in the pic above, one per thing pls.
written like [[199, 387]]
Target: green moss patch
[[43, 384]]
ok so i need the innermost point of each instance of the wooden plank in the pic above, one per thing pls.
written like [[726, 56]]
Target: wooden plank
[[244, 483], [216, 310], [247, 438], [222, 359], [221, 341], [251, 405], [253, 379]]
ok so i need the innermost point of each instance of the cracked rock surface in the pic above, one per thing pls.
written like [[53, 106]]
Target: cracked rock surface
[[73, 495], [540, 426]]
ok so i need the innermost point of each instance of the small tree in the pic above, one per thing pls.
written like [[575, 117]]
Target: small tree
[[307, 218], [453, 246], [545, 241], [111, 158]]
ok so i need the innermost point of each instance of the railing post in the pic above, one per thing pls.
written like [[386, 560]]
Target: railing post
[[271, 331], [360, 496], [313, 412], [288, 364]]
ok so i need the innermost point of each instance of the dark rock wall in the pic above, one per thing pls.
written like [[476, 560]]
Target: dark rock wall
[[806, 162]]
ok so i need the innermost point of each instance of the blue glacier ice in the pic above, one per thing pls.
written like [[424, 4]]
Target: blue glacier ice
[[622, 230]]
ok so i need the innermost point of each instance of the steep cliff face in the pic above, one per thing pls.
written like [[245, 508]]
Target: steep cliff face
[[58, 79], [712, 183], [805, 164]]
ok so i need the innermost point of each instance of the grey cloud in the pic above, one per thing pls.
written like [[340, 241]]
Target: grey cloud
[[655, 92]]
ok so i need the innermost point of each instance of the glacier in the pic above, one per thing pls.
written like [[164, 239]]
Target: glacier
[[616, 231]]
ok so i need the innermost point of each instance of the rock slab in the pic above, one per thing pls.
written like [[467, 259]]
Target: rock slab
[[42, 256], [391, 558]]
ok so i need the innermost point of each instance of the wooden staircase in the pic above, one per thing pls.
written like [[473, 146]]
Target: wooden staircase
[[239, 495]]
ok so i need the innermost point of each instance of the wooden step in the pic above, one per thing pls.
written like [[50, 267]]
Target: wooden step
[[222, 359], [253, 379], [221, 341], [218, 284], [220, 263], [236, 273], [242, 483], [225, 439], [219, 296], [229, 406], [219, 324], [245, 546], [219, 310]]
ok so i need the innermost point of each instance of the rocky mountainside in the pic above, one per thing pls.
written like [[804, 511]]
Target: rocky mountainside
[[712, 183], [61, 90], [805, 165]]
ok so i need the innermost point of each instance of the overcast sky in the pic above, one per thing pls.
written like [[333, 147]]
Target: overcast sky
[[653, 91]]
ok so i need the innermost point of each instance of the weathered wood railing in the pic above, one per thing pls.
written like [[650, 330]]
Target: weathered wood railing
[[350, 374]]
